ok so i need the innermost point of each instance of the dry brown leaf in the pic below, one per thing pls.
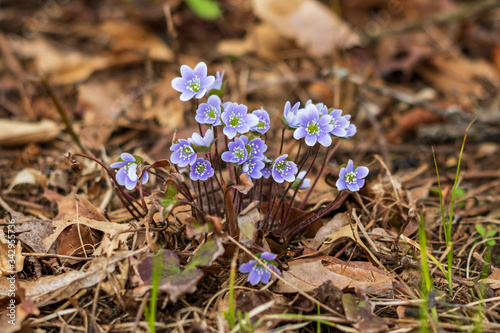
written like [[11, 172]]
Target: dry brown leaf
[[11, 324], [493, 281], [11, 258], [106, 227], [52, 289], [309, 23], [28, 176], [362, 276], [15, 133]]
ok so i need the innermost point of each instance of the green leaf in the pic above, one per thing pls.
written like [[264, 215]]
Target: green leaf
[[169, 200], [491, 242], [206, 9], [491, 233], [480, 230]]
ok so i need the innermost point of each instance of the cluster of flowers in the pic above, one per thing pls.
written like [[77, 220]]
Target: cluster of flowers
[[314, 123]]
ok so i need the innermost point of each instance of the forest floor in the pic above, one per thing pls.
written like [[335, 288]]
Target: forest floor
[[85, 81]]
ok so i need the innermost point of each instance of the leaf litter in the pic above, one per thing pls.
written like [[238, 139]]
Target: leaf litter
[[409, 84]]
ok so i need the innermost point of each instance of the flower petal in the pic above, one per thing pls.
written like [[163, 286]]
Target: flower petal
[[145, 177], [179, 84], [353, 187], [254, 277], [361, 172], [311, 140], [130, 184], [325, 139], [118, 164], [350, 166], [187, 95], [200, 70], [341, 184], [246, 268], [132, 172], [268, 255], [127, 157], [121, 175], [186, 72], [265, 277]]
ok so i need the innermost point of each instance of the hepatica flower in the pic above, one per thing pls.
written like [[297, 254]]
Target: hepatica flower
[[236, 119], [237, 153], [183, 153], [259, 273], [201, 170], [127, 174], [253, 167], [306, 183], [268, 167], [339, 123], [264, 122], [193, 83], [351, 178], [314, 127], [209, 112], [284, 169], [217, 85], [203, 142], [290, 114], [351, 129], [258, 146]]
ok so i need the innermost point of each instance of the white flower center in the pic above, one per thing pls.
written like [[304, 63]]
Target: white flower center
[[350, 177]]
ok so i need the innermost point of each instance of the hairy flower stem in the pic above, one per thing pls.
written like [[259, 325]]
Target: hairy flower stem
[[200, 195], [328, 156], [282, 138], [298, 186], [298, 152], [270, 202], [335, 204], [208, 198]]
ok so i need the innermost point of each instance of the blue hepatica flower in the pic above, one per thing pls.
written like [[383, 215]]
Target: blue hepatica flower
[[314, 127], [201, 170], [351, 178], [193, 83], [306, 183], [127, 174], [253, 167], [264, 122], [209, 112], [217, 85], [339, 123], [198, 141], [259, 273], [236, 119], [290, 114], [237, 153], [284, 169], [351, 129], [258, 146], [183, 153]]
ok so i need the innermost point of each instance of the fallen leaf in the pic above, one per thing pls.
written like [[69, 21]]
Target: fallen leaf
[[15, 133], [28, 176], [307, 274], [309, 23], [52, 289], [361, 314], [11, 258]]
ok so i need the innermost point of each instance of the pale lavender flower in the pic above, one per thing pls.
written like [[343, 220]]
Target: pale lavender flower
[[201, 170], [209, 112], [193, 83], [198, 141], [236, 119], [237, 153], [259, 273], [306, 183], [314, 127], [264, 122], [351, 129], [257, 145], [351, 178], [290, 114], [127, 174], [284, 169], [217, 85], [339, 123], [253, 167], [183, 153]]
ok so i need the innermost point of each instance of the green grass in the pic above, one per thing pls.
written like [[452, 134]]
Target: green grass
[[426, 281], [447, 213], [150, 312]]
